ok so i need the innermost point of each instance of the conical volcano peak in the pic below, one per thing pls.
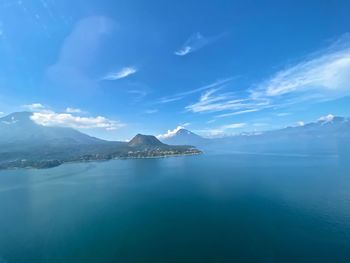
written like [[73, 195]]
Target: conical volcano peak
[[16, 117], [144, 140]]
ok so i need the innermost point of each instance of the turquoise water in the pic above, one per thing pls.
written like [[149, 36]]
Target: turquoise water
[[208, 208]]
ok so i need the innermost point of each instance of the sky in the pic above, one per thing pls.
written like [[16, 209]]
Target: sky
[[115, 68]]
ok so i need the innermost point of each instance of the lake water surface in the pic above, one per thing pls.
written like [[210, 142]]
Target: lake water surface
[[207, 208]]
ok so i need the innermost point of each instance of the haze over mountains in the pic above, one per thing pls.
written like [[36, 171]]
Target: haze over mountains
[[23, 143], [329, 135]]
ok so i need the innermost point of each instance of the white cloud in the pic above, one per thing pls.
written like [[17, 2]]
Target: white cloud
[[43, 115], [327, 118], [170, 133], [73, 110], [195, 42], [38, 107], [50, 118], [122, 73], [300, 123], [34, 106]]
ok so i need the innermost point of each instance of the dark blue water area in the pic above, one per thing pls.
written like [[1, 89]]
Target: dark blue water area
[[205, 208]]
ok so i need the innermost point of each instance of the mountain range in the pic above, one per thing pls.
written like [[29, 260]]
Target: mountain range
[[330, 136], [24, 143]]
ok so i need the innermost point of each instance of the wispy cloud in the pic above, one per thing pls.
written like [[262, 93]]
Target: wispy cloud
[[79, 51], [322, 76], [120, 74], [137, 94], [170, 99], [211, 121], [214, 101], [38, 107], [1, 30], [326, 73], [183, 51], [194, 43], [34, 106], [283, 114], [181, 95], [151, 111], [73, 110], [260, 124], [233, 126], [51, 118], [236, 113]]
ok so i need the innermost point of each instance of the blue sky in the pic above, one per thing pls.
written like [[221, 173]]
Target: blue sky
[[116, 68]]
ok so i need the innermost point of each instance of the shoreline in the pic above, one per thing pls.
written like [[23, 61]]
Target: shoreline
[[101, 160]]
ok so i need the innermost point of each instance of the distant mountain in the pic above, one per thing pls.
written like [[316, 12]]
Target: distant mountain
[[329, 135], [24, 143], [326, 136], [20, 128], [185, 137], [330, 127]]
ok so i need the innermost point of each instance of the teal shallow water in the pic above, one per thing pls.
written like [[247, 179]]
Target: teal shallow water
[[208, 208]]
